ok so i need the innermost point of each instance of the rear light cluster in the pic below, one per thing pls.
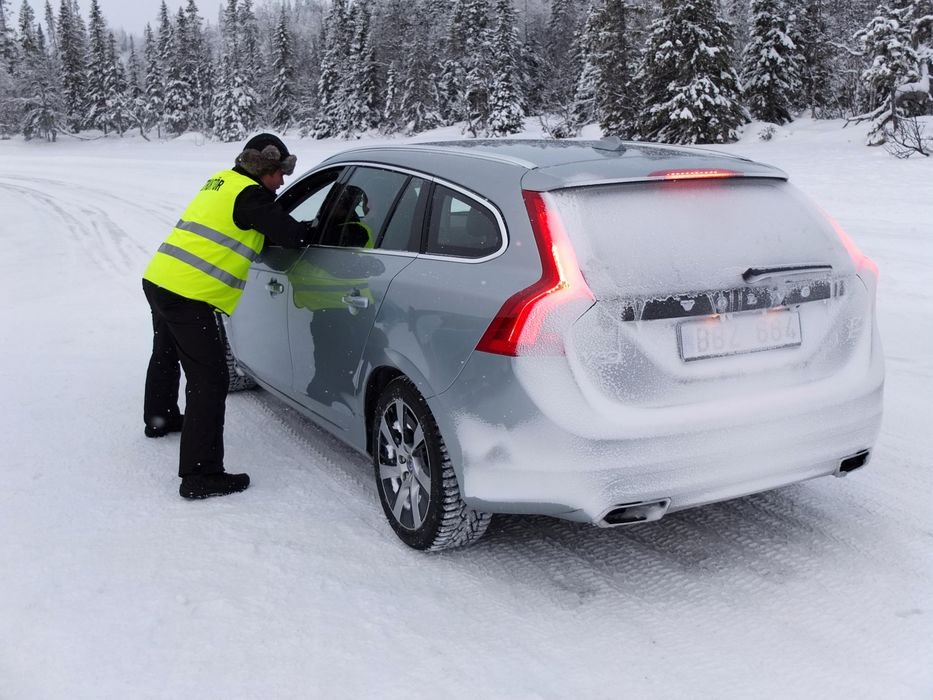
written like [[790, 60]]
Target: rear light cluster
[[862, 261], [530, 321]]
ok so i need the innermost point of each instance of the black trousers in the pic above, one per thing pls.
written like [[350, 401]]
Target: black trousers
[[185, 331]]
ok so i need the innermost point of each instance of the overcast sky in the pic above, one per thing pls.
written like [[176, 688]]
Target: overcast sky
[[132, 15]]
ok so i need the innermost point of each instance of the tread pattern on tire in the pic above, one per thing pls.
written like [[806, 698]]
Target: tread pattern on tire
[[236, 380], [458, 524]]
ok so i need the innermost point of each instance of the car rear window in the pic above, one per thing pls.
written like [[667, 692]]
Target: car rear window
[[665, 237]]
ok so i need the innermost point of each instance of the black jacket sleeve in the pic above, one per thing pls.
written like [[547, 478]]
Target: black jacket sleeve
[[255, 207]]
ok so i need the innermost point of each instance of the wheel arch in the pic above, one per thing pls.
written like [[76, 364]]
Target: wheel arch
[[380, 377]]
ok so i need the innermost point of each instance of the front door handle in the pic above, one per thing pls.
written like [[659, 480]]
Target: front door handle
[[274, 287], [355, 300]]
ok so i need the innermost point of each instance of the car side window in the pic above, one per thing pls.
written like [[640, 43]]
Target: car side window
[[305, 199], [361, 206], [403, 232], [460, 226]]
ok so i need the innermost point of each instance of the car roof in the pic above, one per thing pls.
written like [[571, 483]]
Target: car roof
[[550, 164]]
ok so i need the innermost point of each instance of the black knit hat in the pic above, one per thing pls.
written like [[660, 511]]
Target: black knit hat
[[264, 154]]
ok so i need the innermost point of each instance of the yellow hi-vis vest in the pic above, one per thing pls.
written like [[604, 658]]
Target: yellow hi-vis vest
[[206, 257]]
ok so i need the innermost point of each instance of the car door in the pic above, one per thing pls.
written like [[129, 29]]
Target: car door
[[338, 286], [259, 326]]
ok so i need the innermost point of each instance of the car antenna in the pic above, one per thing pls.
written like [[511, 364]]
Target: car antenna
[[610, 143]]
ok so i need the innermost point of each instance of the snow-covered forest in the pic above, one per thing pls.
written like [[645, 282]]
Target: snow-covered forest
[[681, 71]]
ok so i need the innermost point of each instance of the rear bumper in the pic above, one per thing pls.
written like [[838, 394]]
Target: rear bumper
[[527, 463]]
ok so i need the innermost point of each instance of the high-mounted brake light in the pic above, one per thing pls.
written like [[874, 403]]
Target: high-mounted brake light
[[692, 174], [520, 322]]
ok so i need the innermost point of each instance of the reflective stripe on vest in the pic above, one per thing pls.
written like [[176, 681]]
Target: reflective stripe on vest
[[206, 257]]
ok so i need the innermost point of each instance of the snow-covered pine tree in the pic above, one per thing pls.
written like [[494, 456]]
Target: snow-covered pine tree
[[921, 40], [770, 64], [28, 39], [361, 83], [689, 85], [72, 64], [391, 114], [153, 84], [234, 105], [561, 49], [201, 79], [616, 94], [332, 118], [737, 14], [16, 69], [164, 56], [412, 100], [892, 62], [453, 105], [119, 106], [583, 108], [7, 42], [250, 55], [283, 101], [478, 67], [231, 102], [817, 89], [134, 73], [99, 79], [506, 111], [42, 105], [135, 90], [531, 70], [51, 39], [180, 72]]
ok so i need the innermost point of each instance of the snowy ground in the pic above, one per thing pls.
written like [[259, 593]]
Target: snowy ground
[[111, 586]]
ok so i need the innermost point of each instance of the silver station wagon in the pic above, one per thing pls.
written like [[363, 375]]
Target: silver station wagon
[[593, 330]]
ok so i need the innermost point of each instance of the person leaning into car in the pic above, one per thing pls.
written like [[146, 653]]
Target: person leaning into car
[[200, 269]]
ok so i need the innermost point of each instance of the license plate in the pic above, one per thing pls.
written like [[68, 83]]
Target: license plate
[[734, 334]]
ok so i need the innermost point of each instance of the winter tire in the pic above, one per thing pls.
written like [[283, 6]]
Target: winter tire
[[237, 380], [415, 479]]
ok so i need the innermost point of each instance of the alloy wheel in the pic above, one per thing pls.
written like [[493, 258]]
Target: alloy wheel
[[404, 465]]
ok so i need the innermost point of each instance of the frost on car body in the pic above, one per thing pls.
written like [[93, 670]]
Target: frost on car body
[[597, 331]]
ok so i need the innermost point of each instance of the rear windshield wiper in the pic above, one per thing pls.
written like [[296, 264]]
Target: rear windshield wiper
[[756, 274]]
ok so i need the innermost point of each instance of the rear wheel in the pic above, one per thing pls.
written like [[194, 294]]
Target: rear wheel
[[415, 479], [237, 380]]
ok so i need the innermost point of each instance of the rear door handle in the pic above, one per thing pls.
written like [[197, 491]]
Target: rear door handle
[[274, 287]]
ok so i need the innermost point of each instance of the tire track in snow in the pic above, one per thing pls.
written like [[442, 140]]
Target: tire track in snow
[[348, 471], [94, 232]]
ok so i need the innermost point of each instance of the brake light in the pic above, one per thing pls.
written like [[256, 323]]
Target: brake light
[[692, 174], [520, 323], [858, 257]]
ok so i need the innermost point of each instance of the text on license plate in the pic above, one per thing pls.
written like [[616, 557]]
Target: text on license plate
[[738, 333]]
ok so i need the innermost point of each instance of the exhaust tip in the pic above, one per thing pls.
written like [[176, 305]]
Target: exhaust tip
[[634, 513], [856, 461]]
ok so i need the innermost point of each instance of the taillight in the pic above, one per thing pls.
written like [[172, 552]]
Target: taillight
[[861, 260], [692, 174], [529, 321]]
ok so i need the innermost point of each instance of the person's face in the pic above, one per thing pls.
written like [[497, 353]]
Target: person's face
[[273, 181]]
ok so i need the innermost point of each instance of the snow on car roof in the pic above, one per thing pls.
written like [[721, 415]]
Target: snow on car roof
[[571, 163]]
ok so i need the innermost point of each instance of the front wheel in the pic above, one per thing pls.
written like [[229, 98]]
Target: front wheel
[[415, 479]]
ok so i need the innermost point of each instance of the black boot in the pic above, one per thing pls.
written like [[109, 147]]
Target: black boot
[[207, 485], [173, 425]]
